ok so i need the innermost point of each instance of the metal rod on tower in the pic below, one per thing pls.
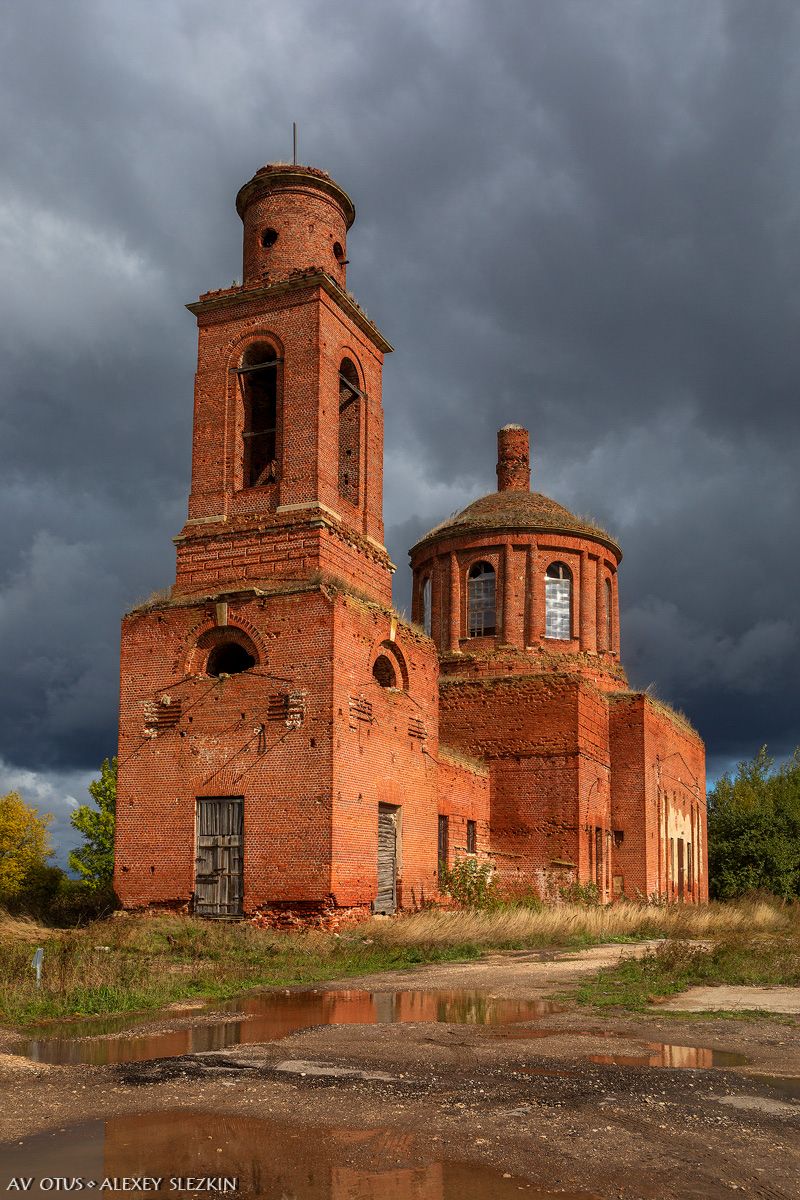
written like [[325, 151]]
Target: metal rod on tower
[[294, 142]]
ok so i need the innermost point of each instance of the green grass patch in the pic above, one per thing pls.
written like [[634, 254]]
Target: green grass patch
[[133, 964], [673, 967]]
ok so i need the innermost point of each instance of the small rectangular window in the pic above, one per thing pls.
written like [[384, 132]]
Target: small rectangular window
[[472, 838]]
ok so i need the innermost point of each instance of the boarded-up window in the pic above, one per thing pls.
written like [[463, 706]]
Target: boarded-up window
[[444, 843], [349, 432], [558, 602], [258, 379], [388, 832], [481, 600]]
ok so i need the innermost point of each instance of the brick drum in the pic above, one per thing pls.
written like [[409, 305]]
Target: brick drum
[[274, 676]]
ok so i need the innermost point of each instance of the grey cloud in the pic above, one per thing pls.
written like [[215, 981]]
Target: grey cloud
[[577, 216]]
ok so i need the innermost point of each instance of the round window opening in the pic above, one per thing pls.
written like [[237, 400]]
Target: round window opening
[[230, 658], [268, 238], [338, 252], [384, 672]]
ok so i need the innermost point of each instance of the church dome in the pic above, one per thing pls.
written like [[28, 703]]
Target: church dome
[[513, 509]]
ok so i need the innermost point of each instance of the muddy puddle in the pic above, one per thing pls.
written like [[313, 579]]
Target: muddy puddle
[[654, 1054], [787, 1086], [664, 1054], [266, 1017], [194, 1154]]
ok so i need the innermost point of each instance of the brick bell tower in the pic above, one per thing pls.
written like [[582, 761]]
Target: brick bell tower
[[274, 709], [288, 425]]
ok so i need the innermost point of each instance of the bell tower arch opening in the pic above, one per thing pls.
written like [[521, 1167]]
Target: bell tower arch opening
[[259, 384], [350, 395]]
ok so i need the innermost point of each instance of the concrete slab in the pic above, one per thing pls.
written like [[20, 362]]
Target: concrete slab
[[733, 999]]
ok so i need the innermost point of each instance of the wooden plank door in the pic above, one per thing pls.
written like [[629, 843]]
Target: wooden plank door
[[386, 899], [218, 886]]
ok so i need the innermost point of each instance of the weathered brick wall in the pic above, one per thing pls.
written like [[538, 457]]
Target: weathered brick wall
[[658, 797], [227, 742], [546, 741], [385, 745], [462, 796]]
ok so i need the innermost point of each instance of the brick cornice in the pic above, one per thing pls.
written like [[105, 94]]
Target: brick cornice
[[229, 297]]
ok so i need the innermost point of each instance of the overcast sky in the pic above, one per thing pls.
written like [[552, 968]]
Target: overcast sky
[[581, 216]]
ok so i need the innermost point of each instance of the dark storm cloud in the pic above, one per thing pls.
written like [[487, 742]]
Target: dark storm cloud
[[580, 216]]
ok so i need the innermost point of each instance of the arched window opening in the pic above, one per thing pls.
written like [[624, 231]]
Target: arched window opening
[[229, 658], [384, 672], [426, 604], [258, 378], [349, 432], [609, 620], [481, 601], [558, 602]]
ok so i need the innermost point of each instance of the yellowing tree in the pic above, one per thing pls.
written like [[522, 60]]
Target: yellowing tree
[[24, 843]]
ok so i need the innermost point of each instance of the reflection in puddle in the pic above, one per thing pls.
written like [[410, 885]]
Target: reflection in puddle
[[786, 1085], [266, 1158], [662, 1054], [268, 1016]]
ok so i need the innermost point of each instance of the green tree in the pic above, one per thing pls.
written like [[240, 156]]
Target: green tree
[[94, 860], [24, 844], [754, 829]]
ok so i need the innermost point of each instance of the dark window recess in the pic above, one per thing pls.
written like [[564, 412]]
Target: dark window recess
[[258, 378], [426, 605], [416, 728], [338, 252], [349, 432], [689, 867], [481, 601], [360, 710], [268, 238], [619, 838], [231, 658], [161, 714], [384, 671], [472, 837], [609, 619], [444, 842]]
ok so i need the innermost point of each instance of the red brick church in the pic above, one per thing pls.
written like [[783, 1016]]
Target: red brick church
[[286, 737]]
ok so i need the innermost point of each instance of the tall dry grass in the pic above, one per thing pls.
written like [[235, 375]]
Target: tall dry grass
[[22, 929], [572, 924]]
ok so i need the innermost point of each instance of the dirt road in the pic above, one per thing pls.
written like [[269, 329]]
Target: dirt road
[[569, 1102]]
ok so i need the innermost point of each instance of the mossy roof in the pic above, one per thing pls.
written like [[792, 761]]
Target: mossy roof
[[512, 509]]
